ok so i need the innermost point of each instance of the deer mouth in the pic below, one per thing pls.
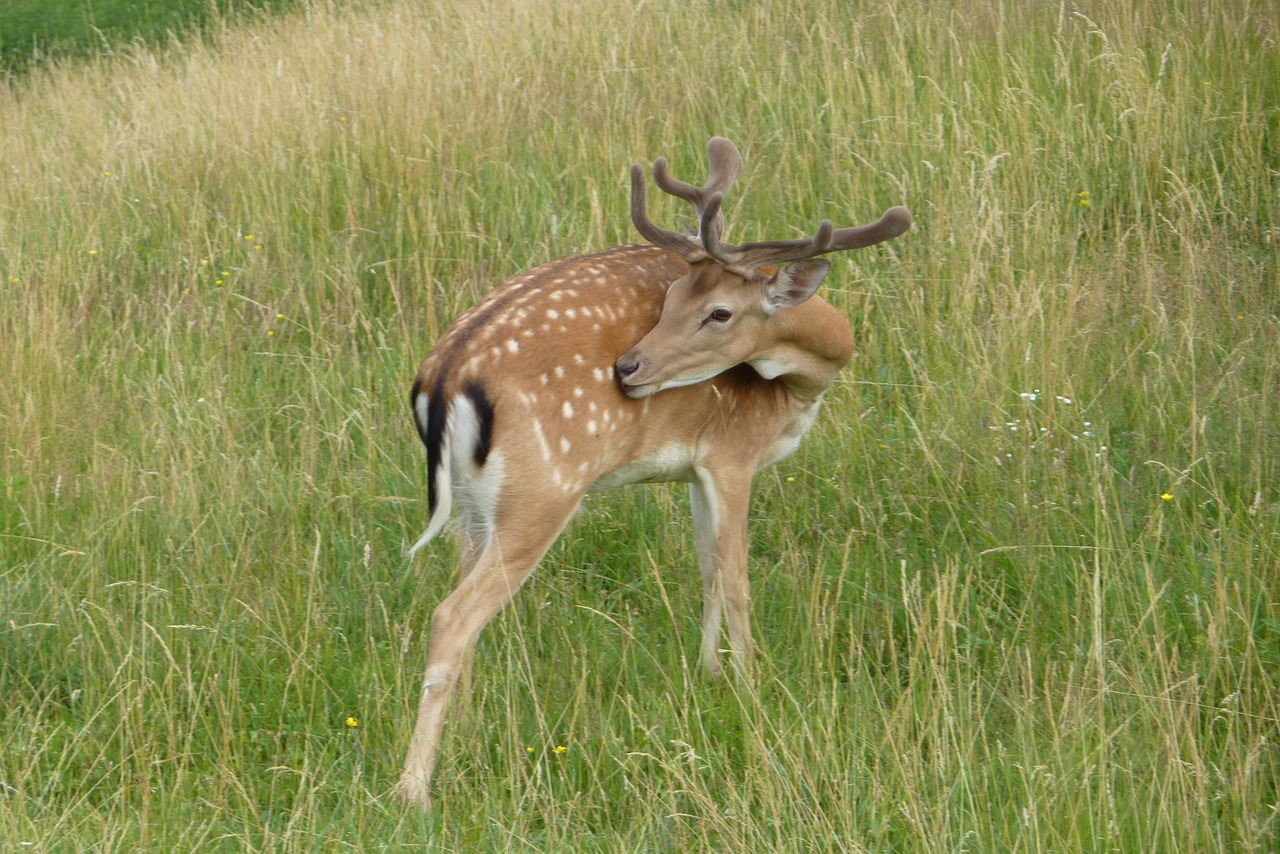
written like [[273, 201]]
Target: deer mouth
[[636, 391]]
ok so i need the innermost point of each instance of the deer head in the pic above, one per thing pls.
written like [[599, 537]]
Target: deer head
[[730, 308]]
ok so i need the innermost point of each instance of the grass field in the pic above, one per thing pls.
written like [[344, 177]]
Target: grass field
[[1019, 590]]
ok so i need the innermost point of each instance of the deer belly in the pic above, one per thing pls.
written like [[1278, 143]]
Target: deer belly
[[673, 462]]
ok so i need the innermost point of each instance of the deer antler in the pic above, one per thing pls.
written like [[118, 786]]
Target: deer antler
[[726, 164], [751, 256]]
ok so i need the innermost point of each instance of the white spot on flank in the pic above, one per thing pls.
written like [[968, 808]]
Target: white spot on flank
[[513, 346], [559, 372], [571, 313], [598, 373], [542, 440], [568, 409], [591, 428], [579, 358], [564, 445], [577, 392], [545, 379], [553, 314]]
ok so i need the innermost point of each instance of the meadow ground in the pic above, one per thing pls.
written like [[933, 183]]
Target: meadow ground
[[1019, 590]]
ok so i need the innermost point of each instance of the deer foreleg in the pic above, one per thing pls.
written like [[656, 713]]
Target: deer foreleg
[[702, 503], [720, 502]]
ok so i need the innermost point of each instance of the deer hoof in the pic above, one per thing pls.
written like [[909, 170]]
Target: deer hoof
[[412, 791]]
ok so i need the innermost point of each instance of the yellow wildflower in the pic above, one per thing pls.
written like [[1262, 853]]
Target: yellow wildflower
[[351, 722], [1165, 496]]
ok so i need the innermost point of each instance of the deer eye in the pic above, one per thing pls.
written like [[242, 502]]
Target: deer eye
[[720, 315]]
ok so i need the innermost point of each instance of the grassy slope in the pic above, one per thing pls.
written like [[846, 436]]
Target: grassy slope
[[33, 32], [220, 268]]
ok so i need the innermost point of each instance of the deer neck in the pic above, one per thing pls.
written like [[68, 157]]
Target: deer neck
[[813, 342]]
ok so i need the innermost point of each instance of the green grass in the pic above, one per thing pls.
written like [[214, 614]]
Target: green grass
[[220, 267], [35, 32]]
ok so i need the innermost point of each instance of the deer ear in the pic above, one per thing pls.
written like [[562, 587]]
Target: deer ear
[[794, 283]]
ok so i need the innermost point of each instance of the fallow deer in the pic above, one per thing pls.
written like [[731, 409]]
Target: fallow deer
[[689, 359]]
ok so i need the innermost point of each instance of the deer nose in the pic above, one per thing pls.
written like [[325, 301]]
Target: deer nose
[[626, 366]]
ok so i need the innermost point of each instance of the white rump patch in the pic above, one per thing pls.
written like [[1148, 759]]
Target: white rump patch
[[458, 477]]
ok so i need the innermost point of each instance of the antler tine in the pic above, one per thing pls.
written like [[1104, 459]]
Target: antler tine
[[891, 223], [725, 167], [679, 243], [711, 227]]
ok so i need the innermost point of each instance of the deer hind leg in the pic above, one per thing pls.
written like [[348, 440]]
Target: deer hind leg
[[475, 530], [519, 541], [720, 503]]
